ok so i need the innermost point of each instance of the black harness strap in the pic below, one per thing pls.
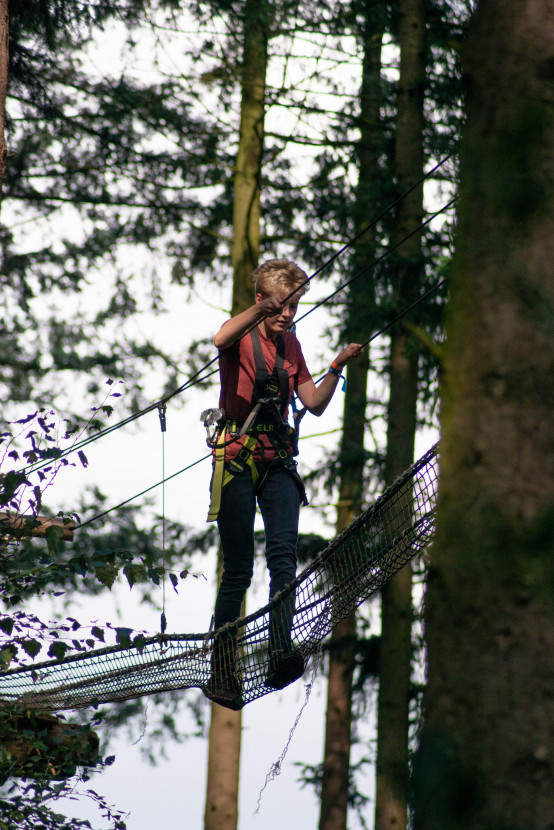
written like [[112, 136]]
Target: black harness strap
[[263, 376]]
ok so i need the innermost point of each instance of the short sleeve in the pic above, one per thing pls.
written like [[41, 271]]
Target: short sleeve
[[302, 375]]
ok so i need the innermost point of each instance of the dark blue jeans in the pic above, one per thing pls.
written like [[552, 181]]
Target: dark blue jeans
[[279, 503]]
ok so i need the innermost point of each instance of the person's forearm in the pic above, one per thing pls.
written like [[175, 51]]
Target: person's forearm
[[323, 393], [316, 398], [233, 329]]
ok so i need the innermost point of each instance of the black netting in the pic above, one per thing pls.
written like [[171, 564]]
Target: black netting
[[355, 565]]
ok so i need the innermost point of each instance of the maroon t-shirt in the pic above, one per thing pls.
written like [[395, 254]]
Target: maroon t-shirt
[[237, 372]]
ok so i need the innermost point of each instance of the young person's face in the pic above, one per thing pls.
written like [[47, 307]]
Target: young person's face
[[280, 322]]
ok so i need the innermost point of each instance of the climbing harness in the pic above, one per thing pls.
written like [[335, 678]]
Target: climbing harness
[[267, 417]]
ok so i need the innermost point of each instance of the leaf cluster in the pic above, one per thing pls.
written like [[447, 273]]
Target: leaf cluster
[[26, 805], [25, 632], [30, 568], [116, 164]]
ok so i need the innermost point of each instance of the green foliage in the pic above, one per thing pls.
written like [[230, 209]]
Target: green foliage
[[26, 806], [312, 775], [113, 156], [109, 548], [129, 165], [33, 747], [43, 746], [112, 547]]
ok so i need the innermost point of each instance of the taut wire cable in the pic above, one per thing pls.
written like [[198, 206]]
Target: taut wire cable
[[365, 343], [373, 222], [375, 262], [144, 492], [195, 378]]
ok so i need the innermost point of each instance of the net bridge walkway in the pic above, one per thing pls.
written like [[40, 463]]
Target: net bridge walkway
[[353, 567]]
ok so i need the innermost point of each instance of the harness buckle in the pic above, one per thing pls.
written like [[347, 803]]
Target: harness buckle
[[234, 466], [270, 401]]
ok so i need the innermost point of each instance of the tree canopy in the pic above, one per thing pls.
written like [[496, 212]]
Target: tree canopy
[[119, 198]]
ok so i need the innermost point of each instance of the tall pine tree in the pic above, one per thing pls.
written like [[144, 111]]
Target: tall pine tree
[[391, 798], [335, 781], [221, 811]]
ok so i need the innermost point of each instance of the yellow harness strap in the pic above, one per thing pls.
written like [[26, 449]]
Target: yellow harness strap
[[222, 475]]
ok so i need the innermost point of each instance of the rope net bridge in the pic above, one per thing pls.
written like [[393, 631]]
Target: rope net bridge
[[355, 565]]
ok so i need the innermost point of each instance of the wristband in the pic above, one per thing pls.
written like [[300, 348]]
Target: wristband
[[334, 370]]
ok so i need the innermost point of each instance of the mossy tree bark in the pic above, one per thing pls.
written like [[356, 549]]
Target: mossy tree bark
[[4, 60], [342, 650], [221, 811], [486, 756], [391, 798]]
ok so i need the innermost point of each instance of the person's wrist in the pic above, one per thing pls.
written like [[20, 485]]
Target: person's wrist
[[335, 369]]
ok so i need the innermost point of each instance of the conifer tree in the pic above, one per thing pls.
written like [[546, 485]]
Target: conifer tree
[[443, 97], [391, 798], [4, 60], [335, 781], [103, 165], [221, 811]]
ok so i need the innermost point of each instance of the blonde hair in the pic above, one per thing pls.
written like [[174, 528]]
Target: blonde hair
[[280, 275]]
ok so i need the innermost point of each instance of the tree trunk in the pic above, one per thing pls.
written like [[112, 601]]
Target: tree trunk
[[391, 798], [246, 205], [4, 59], [221, 811], [486, 758], [336, 762], [222, 792]]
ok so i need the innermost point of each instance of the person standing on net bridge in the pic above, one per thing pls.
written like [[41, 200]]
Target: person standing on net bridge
[[261, 364]]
